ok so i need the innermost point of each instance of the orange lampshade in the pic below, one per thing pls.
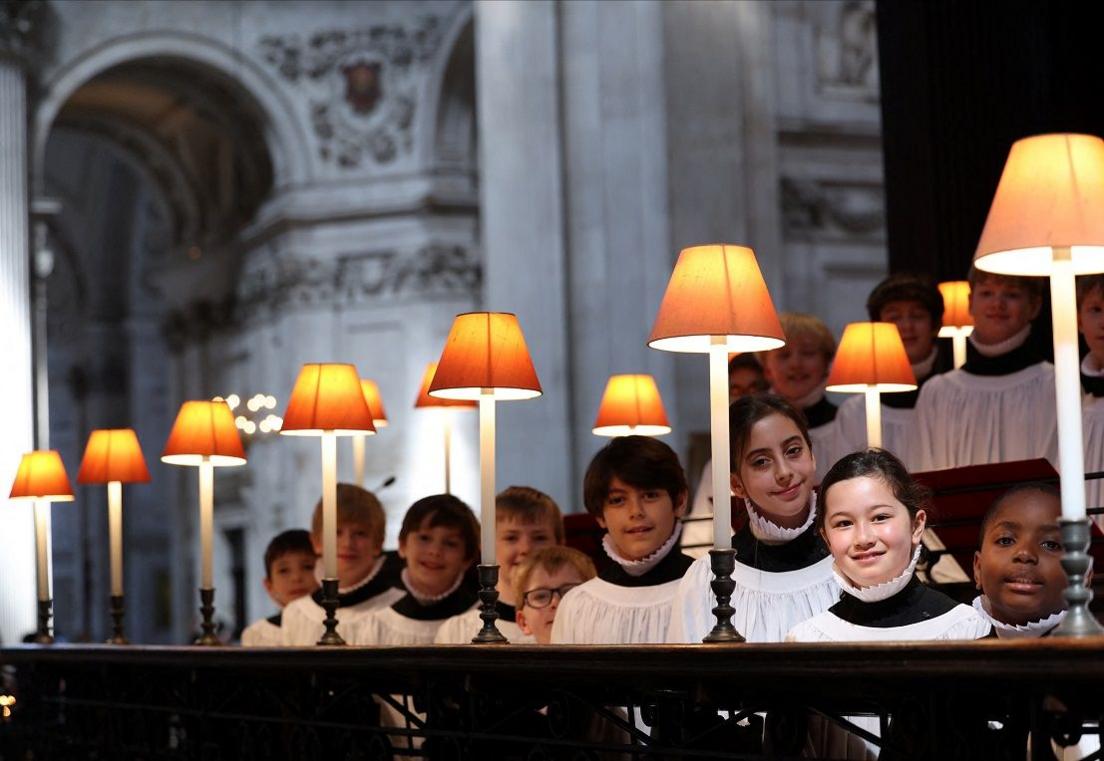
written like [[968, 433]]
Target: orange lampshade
[[425, 400], [485, 350], [204, 430], [41, 476], [327, 397], [113, 454], [956, 306], [716, 290], [631, 406], [375, 402], [1050, 194], [871, 355]]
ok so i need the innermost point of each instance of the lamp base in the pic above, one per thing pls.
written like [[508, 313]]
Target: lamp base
[[329, 604], [1079, 622], [723, 563], [207, 608], [117, 614], [488, 597], [43, 634]]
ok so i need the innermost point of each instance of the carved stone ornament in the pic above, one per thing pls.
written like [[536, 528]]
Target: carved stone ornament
[[22, 25], [843, 209], [847, 50], [284, 282], [361, 85]]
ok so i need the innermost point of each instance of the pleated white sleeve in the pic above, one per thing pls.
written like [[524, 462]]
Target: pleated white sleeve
[[385, 626], [966, 419], [261, 633], [1092, 426], [600, 613], [302, 620], [767, 604], [826, 446], [460, 629]]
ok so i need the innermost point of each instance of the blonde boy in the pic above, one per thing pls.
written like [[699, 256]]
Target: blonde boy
[[367, 577], [526, 520], [541, 584]]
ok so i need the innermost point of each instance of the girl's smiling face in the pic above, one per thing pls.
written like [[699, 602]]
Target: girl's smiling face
[[869, 531], [776, 471]]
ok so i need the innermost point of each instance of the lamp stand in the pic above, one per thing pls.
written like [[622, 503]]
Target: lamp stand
[[117, 615], [488, 597], [1071, 454], [207, 609], [873, 417], [329, 604], [723, 563], [44, 634], [448, 451], [358, 460]]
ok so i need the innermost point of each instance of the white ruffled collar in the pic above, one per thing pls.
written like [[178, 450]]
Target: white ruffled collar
[[923, 368], [1030, 630], [768, 532], [642, 566], [422, 597], [1005, 346], [882, 591], [319, 573], [1089, 368]]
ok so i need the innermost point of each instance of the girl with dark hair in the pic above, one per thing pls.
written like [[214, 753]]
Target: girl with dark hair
[[783, 570]]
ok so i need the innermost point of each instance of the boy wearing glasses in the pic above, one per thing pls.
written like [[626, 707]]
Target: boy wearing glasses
[[542, 583]]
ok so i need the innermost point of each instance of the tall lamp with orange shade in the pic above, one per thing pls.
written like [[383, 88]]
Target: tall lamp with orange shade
[[113, 456], [41, 479], [631, 406], [379, 419], [328, 401], [425, 401], [1047, 220], [717, 303], [958, 324], [485, 359], [204, 437], [871, 360]]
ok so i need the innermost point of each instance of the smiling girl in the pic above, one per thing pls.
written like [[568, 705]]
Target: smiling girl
[[783, 571], [636, 489]]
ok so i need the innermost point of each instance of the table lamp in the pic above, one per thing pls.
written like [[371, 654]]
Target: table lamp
[[204, 436], [717, 303], [379, 420], [485, 359], [630, 406], [871, 360], [328, 401], [957, 322], [41, 479], [1047, 220], [425, 401], [112, 456]]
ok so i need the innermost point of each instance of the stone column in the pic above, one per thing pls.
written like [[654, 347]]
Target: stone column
[[17, 593], [521, 194]]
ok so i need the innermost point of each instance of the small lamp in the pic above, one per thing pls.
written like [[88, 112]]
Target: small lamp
[[717, 302], [630, 406], [425, 401], [204, 436], [486, 359], [328, 401], [379, 420], [41, 479], [113, 457], [1047, 220], [957, 322], [871, 360]]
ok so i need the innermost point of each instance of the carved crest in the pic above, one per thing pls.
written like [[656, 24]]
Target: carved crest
[[363, 87]]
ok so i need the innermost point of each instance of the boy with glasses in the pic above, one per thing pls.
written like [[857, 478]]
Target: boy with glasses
[[541, 584]]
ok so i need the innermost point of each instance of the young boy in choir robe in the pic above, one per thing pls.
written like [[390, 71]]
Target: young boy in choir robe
[[798, 372], [1090, 321], [999, 406], [439, 540], [783, 572], [541, 584], [636, 489], [873, 515], [915, 305], [526, 520], [289, 563], [1018, 566], [368, 578]]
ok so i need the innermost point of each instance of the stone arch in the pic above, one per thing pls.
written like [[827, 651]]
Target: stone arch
[[449, 98]]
